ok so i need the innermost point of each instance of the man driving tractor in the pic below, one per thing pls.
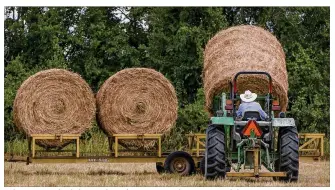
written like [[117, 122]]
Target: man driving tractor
[[249, 104]]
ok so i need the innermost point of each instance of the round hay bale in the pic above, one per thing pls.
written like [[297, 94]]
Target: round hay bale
[[54, 101], [244, 48], [137, 101]]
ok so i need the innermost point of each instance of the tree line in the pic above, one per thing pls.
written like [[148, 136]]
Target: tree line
[[97, 42]]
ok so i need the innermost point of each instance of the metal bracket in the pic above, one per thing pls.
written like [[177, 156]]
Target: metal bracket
[[59, 137]]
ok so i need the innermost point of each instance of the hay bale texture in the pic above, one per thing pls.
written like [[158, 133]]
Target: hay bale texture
[[244, 48], [137, 101], [54, 101]]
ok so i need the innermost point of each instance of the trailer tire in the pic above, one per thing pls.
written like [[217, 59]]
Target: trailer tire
[[215, 152], [288, 150], [179, 162], [159, 167], [202, 166]]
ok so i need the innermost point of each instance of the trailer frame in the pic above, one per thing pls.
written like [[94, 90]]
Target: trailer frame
[[114, 148], [196, 149]]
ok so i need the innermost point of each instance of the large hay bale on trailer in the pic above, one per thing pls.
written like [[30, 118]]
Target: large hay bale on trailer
[[137, 101], [54, 101], [244, 48]]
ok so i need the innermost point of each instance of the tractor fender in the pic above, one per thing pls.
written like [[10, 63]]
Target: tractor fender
[[283, 122]]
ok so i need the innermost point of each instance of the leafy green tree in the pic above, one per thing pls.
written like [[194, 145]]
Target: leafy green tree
[[177, 37], [97, 42]]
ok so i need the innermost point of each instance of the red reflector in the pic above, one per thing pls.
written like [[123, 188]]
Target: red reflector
[[229, 102], [229, 107], [276, 108], [252, 125]]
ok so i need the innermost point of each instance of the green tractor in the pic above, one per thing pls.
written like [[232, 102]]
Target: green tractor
[[249, 143]]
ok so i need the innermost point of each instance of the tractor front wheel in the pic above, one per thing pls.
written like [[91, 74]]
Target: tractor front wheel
[[215, 153]]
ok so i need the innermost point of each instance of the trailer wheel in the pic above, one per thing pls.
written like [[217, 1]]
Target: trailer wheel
[[215, 152], [179, 162], [202, 165], [288, 149], [159, 167]]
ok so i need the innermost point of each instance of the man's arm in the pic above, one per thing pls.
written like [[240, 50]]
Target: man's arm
[[262, 112], [239, 112]]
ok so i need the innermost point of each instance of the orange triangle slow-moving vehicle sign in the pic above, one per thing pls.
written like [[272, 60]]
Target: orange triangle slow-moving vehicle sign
[[252, 125]]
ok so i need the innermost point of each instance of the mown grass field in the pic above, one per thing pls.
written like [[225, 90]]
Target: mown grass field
[[104, 174]]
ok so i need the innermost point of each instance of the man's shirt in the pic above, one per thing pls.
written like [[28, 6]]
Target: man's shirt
[[251, 106]]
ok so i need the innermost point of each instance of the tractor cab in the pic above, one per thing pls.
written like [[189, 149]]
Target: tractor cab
[[228, 102]]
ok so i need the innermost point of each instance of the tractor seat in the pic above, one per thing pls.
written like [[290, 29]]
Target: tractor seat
[[248, 115]]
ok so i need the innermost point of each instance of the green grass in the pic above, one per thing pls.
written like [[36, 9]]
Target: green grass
[[96, 144], [17, 147]]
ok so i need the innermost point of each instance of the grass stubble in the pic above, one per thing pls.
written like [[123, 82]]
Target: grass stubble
[[134, 174]]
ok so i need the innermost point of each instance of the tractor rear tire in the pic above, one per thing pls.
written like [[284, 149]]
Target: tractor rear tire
[[215, 152], [288, 149], [179, 162], [202, 166]]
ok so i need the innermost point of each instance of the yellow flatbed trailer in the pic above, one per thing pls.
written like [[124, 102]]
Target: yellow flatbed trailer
[[311, 148]]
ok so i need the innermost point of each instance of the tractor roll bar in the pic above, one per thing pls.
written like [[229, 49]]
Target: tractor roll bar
[[250, 73], [253, 73]]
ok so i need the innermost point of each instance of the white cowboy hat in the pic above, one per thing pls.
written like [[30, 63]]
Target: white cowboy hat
[[248, 96]]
